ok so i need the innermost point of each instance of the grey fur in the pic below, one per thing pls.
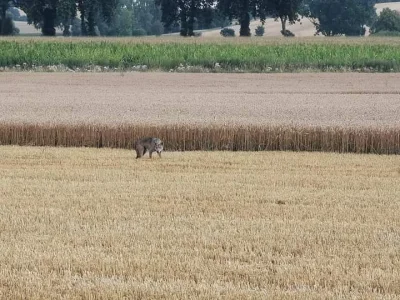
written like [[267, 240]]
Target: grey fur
[[150, 144]]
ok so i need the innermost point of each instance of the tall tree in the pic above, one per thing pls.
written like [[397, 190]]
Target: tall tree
[[243, 10], [47, 14], [93, 12], [108, 9], [82, 11], [184, 11], [210, 17], [89, 9], [337, 17], [66, 12], [4, 6], [143, 15], [388, 20], [41, 13], [169, 11], [238, 9], [285, 11]]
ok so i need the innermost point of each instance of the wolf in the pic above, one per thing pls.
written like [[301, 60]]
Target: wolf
[[150, 144]]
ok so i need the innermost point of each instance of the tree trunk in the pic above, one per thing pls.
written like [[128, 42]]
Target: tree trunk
[[184, 23], [67, 24], [283, 21], [91, 23], [83, 23], [192, 15], [3, 19], [49, 17], [244, 20]]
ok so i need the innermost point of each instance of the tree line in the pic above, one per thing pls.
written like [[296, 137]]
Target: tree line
[[155, 17]]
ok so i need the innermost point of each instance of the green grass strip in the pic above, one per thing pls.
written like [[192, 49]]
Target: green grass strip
[[249, 57]]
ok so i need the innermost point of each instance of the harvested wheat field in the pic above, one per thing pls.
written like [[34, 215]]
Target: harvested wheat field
[[98, 224], [304, 99]]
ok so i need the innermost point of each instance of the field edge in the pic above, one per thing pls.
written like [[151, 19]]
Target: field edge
[[181, 137]]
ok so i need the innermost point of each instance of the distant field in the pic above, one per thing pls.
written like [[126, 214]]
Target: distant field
[[304, 99], [81, 223], [298, 112], [391, 5], [204, 55]]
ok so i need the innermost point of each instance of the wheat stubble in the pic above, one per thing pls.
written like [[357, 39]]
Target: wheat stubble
[[96, 223]]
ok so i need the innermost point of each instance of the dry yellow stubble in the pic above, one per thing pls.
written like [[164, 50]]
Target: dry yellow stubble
[[99, 224]]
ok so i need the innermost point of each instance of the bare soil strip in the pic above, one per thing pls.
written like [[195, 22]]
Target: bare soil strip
[[304, 99]]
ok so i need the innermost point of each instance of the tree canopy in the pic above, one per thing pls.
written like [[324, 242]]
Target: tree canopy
[[154, 17], [6, 22], [285, 10], [388, 20], [338, 17], [186, 12], [48, 14]]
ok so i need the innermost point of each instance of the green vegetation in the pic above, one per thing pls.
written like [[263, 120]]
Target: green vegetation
[[154, 17], [340, 17], [227, 32], [286, 11], [260, 30], [388, 21], [386, 33], [197, 56]]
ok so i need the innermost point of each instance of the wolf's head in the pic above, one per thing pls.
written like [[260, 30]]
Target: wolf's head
[[158, 145]]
